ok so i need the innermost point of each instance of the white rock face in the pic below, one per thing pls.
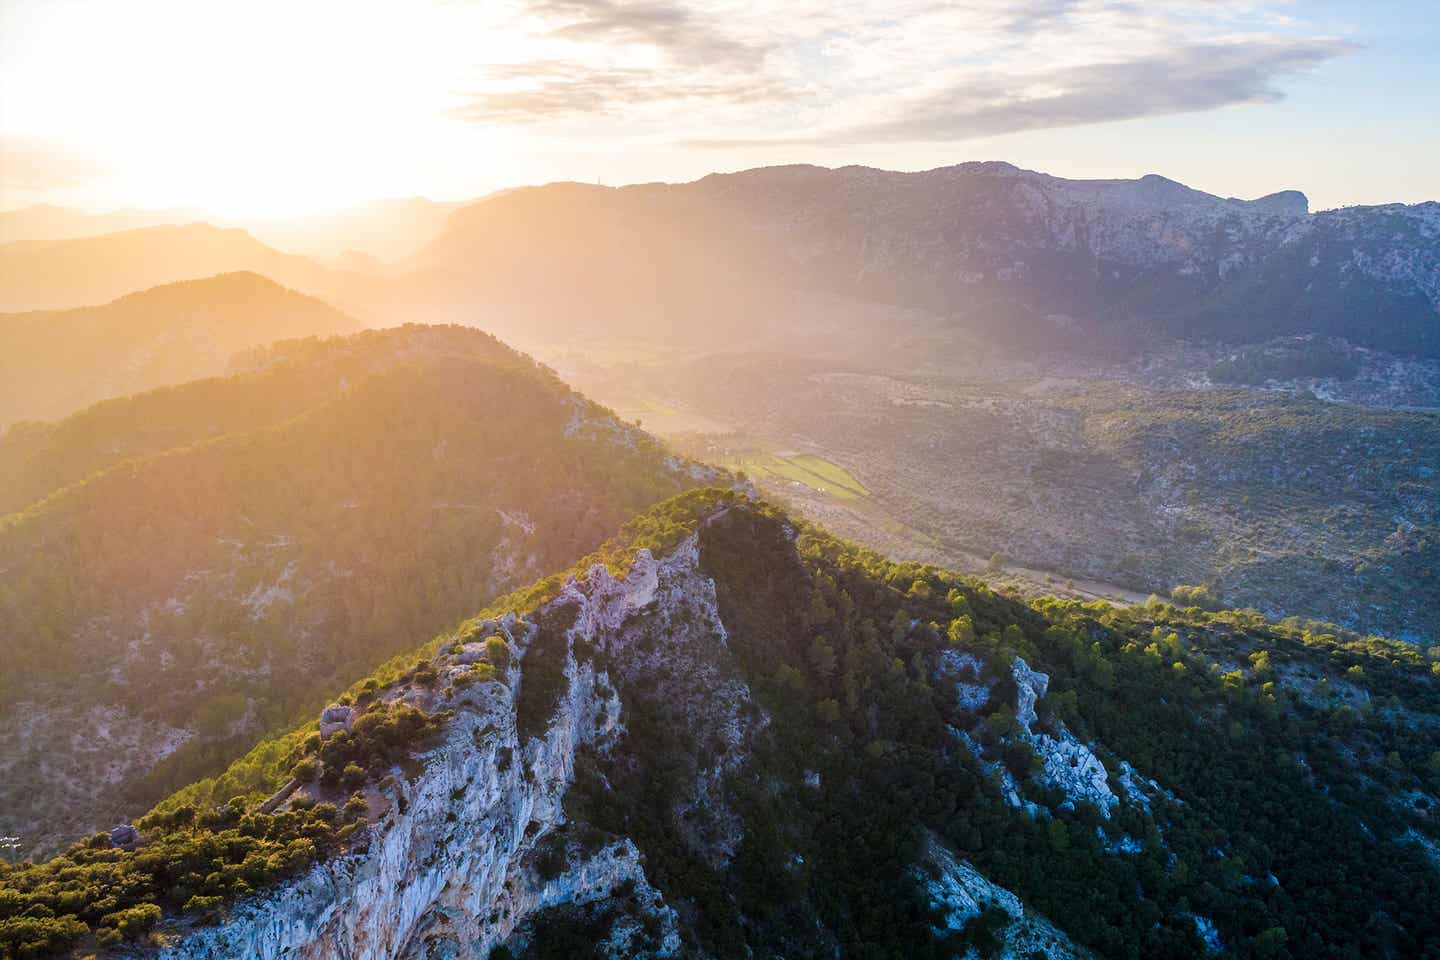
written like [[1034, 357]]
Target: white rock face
[[1030, 687], [453, 864], [1074, 768], [955, 665], [1209, 935], [1067, 764], [963, 893], [448, 872]]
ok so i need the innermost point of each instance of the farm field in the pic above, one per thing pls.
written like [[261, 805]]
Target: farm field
[[813, 471]]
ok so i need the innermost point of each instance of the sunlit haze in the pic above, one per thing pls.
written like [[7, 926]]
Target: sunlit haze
[[266, 108]]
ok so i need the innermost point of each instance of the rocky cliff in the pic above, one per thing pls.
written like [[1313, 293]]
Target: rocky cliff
[[474, 847], [450, 869]]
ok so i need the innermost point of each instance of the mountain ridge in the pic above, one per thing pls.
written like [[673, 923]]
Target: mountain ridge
[[83, 271], [724, 709], [53, 363]]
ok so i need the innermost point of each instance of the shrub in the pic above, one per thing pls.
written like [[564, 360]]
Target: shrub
[[133, 922], [206, 909], [354, 777], [355, 807], [497, 651]]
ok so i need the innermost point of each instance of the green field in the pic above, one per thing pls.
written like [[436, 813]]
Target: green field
[[814, 472]]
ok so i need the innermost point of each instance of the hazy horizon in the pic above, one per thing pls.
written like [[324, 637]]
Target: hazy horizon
[[197, 213]]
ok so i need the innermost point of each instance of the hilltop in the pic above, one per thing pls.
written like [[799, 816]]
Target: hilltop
[[211, 558]]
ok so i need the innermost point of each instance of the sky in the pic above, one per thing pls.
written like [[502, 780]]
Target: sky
[[273, 108]]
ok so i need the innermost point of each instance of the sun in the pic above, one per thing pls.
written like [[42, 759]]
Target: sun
[[258, 110]]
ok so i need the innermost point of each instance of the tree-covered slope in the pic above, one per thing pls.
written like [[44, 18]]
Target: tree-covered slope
[[729, 734], [273, 535], [55, 363]]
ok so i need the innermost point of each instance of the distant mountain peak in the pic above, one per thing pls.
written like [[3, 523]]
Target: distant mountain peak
[[992, 167], [1290, 203]]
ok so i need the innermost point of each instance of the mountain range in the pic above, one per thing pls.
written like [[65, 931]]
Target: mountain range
[[1018, 256], [85, 271], [386, 230]]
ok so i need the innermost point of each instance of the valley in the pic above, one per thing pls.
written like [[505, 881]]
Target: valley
[[1121, 475]]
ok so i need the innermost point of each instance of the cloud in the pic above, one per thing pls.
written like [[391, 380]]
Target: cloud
[[867, 71], [677, 30], [1184, 80], [693, 57], [553, 90]]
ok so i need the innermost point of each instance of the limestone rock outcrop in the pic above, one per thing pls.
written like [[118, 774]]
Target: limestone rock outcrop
[[449, 870]]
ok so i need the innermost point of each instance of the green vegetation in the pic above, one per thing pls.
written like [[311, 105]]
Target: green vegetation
[[544, 670], [841, 650], [1293, 361]]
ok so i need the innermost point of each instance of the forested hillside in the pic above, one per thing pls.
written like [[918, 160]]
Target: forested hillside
[[769, 742], [55, 363], [271, 536]]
